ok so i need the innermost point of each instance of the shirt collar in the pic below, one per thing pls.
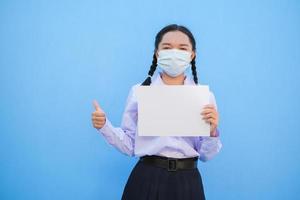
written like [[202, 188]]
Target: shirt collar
[[157, 80]]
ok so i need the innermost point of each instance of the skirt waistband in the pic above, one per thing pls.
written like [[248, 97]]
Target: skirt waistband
[[171, 164]]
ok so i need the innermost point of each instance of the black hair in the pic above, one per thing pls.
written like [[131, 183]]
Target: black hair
[[158, 38]]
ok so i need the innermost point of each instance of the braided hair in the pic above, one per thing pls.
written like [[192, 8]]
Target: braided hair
[[158, 38]]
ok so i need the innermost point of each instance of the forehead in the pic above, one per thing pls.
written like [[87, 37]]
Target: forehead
[[175, 37]]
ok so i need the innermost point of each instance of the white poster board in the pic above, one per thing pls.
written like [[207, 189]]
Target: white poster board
[[172, 110]]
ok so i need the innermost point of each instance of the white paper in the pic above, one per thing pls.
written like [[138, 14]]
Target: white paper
[[172, 110]]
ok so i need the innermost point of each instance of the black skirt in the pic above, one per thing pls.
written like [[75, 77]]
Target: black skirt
[[147, 182]]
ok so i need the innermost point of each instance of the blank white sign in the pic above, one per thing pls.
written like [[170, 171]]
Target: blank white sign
[[172, 110]]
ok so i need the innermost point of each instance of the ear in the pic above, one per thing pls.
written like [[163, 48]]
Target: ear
[[193, 55], [156, 53]]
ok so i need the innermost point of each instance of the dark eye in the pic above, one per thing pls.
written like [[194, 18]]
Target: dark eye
[[166, 47], [184, 49]]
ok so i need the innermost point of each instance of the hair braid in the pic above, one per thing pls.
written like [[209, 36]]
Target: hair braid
[[194, 71], [151, 71]]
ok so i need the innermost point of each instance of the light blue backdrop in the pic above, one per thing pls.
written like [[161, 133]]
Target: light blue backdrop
[[57, 56]]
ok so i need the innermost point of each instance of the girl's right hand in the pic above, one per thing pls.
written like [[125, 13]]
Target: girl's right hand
[[98, 116]]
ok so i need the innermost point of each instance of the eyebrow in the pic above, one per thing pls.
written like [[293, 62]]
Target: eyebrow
[[170, 44], [165, 44]]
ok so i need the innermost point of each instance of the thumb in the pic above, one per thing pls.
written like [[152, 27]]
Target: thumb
[[96, 106]]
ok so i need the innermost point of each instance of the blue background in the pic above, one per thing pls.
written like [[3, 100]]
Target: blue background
[[57, 56]]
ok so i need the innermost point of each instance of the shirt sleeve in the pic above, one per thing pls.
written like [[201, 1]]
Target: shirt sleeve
[[207, 146], [122, 138]]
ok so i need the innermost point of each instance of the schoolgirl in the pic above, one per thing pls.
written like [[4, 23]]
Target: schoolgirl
[[167, 166]]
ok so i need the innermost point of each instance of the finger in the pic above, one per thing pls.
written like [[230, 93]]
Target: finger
[[98, 118], [209, 115], [96, 105], [98, 125], [210, 120], [98, 121], [208, 110], [98, 114]]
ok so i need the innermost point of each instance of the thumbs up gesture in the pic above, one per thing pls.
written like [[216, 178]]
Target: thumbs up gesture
[[98, 116]]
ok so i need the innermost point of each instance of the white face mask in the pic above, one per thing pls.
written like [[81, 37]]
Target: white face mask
[[173, 61]]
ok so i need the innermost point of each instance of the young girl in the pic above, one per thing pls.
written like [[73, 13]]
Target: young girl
[[167, 168]]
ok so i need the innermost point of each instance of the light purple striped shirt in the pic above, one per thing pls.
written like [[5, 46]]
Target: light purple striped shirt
[[127, 141]]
